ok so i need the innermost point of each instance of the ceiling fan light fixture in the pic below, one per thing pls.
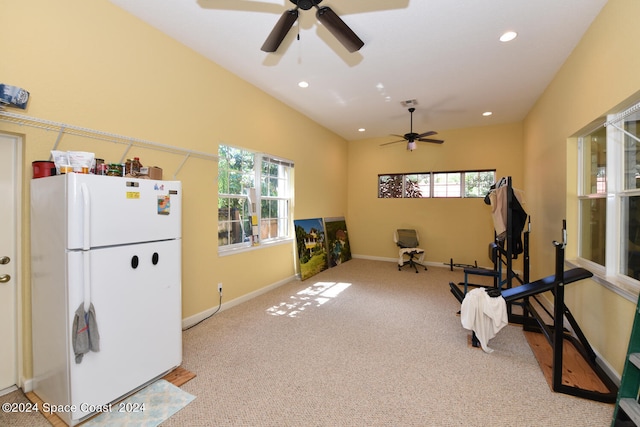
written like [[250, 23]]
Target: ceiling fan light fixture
[[412, 137]]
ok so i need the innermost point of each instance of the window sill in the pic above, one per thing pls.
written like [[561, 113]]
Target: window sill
[[625, 287], [241, 249]]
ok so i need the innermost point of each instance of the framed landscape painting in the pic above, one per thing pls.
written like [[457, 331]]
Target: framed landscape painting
[[310, 246]]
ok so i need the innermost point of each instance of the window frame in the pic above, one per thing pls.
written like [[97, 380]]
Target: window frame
[[610, 274], [400, 192], [253, 197]]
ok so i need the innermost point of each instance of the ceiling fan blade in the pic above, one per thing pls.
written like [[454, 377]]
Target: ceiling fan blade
[[279, 32], [435, 141], [339, 29], [431, 132], [399, 136], [392, 142]]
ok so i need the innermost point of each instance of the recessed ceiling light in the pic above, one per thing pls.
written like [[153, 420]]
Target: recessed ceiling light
[[508, 36], [487, 113], [303, 84], [361, 130]]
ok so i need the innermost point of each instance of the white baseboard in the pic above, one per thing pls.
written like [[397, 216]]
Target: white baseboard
[[395, 261], [192, 320], [27, 385], [375, 258]]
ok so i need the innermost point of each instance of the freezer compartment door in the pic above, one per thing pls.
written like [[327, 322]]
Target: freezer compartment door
[[105, 210], [136, 293]]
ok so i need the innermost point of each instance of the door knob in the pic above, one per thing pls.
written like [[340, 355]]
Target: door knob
[[4, 260], [4, 278]]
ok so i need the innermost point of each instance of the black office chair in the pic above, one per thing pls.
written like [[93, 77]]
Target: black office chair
[[407, 240]]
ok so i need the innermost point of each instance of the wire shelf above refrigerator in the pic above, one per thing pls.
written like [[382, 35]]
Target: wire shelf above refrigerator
[[62, 128]]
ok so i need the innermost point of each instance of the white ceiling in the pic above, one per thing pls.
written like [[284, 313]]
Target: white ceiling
[[443, 53]]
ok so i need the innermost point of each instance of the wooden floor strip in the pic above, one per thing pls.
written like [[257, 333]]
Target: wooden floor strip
[[177, 377], [576, 372]]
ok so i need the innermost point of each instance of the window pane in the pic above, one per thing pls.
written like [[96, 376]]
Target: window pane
[[592, 229], [446, 184], [233, 221], [235, 176], [630, 260], [274, 214], [416, 185], [389, 186], [594, 162], [424, 182], [274, 206], [477, 184], [411, 187], [632, 152]]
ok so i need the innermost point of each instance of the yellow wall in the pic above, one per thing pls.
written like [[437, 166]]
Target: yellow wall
[[449, 228], [602, 72], [90, 64]]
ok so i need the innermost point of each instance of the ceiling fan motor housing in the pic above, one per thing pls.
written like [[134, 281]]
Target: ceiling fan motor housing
[[306, 4]]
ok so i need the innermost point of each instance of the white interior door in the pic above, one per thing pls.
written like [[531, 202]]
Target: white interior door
[[9, 162]]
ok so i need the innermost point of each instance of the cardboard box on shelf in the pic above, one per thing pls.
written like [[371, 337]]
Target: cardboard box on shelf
[[155, 172]]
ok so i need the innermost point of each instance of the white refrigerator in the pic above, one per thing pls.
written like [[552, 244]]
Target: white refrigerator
[[113, 244]]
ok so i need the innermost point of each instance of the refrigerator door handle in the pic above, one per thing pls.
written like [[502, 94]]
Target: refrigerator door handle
[[86, 244], [86, 270], [86, 217]]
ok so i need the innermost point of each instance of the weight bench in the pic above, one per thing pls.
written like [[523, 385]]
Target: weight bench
[[495, 272], [545, 284]]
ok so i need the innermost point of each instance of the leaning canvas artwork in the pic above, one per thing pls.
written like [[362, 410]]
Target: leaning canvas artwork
[[338, 248], [310, 245]]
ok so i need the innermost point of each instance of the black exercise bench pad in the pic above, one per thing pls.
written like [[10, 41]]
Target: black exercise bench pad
[[544, 284], [481, 272]]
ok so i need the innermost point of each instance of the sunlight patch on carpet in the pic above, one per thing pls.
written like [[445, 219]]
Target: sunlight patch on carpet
[[313, 296]]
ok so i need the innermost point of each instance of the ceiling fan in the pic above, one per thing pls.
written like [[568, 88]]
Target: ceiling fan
[[412, 137], [325, 15]]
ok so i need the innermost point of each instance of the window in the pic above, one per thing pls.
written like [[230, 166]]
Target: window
[[593, 196], [275, 193], [398, 186], [254, 198], [446, 184], [477, 184], [609, 197], [436, 184]]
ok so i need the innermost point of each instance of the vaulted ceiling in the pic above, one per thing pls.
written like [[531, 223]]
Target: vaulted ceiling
[[445, 54]]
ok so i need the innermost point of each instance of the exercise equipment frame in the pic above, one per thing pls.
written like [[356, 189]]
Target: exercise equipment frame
[[556, 333]]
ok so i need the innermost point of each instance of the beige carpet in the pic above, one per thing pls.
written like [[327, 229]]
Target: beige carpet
[[363, 344]]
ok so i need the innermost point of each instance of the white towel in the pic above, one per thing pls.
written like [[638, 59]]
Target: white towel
[[483, 315]]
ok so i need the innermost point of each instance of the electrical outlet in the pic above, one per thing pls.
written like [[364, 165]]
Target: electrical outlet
[[220, 287]]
